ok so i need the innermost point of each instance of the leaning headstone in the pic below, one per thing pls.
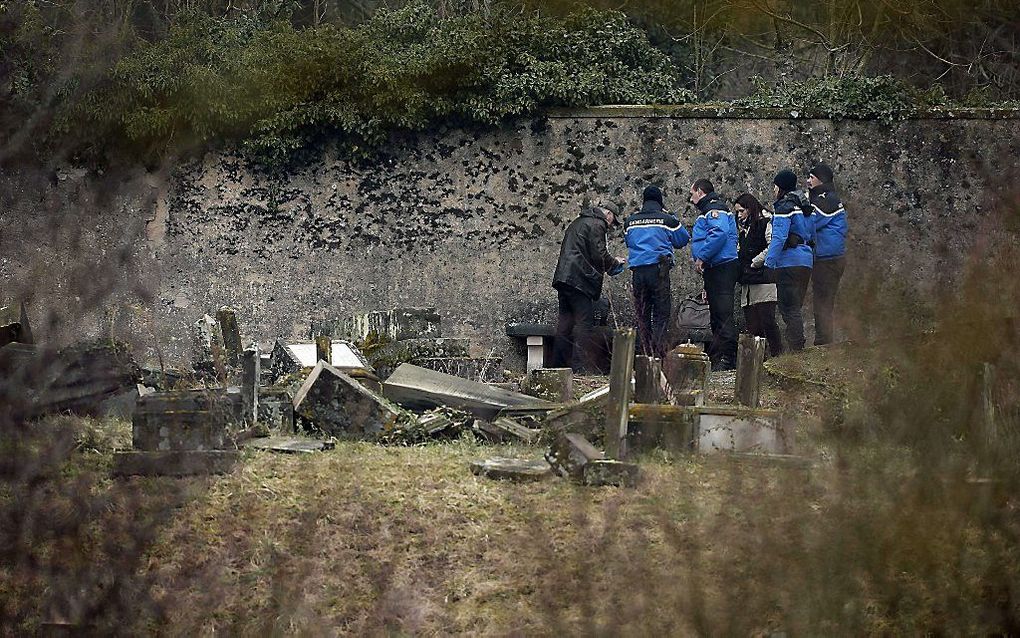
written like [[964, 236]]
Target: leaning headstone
[[208, 357], [620, 377], [750, 363], [251, 378], [570, 453], [512, 469], [337, 405], [551, 384], [227, 319]]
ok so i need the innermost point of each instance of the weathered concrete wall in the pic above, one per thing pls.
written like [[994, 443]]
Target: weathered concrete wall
[[467, 222]]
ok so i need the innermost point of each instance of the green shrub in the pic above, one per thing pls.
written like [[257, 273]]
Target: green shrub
[[279, 90]]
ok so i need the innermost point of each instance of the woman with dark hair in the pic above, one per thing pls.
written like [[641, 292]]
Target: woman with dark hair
[[758, 294]]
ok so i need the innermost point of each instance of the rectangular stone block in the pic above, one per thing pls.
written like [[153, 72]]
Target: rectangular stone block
[[276, 409], [668, 427], [741, 430], [174, 462], [337, 405], [190, 420]]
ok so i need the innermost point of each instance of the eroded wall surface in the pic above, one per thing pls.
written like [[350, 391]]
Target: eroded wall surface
[[470, 222]]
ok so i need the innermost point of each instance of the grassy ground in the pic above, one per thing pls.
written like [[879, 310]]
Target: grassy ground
[[367, 539]]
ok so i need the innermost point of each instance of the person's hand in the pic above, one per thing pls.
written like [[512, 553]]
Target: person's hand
[[618, 268], [699, 266]]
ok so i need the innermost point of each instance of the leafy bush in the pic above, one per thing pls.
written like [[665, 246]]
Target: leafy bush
[[883, 98], [279, 90]]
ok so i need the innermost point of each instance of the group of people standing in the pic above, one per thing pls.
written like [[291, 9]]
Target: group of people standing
[[773, 257]]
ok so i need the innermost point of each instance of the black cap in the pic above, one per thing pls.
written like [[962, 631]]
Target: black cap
[[786, 180], [823, 173], [652, 193]]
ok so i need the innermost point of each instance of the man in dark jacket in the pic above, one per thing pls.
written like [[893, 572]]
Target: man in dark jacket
[[714, 248], [584, 258], [830, 248], [652, 236]]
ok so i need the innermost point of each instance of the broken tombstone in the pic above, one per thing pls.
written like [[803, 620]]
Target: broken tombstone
[[440, 423], [276, 408], [750, 368], [209, 355], [686, 369], [512, 469], [289, 444], [226, 317], [420, 389], [337, 405], [504, 430], [570, 453]]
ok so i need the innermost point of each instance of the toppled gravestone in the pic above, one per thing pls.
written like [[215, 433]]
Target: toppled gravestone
[[573, 457], [289, 444], [337, 405], [439, 423], [416, 388], [35, 381], [504, 430], [512, 469]]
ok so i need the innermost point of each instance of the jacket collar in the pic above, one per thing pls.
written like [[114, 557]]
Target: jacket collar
[[706, 201], [826, 187], [651, 206]]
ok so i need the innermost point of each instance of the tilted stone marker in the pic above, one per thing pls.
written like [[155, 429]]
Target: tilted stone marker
[[551, 384], [620, 377], [512, 469], [504, 429], [570, 453], [418, 388], [340, 406], [750, 364]]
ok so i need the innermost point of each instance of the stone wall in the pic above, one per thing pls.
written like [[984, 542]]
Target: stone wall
[[468, 222]]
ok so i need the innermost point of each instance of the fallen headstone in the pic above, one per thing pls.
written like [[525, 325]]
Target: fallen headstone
[[419, 388], [440, 423], [503, 429], [174, 462], [570, 453], [337, 405], [512, 469], [289, 444]]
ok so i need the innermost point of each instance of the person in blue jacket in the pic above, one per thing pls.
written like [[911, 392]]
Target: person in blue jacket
[[652, 235], [714, 246], [790, 253], [830, 228]]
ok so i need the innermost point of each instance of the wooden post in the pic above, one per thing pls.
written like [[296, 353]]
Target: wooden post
[[617, 411], [750, 360]]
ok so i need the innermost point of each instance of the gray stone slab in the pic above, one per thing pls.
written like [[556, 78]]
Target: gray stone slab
[[551, 384], [512, 469], [337, 405], [482, 369], [174, 463], [570, 453], [288, 444], [420, 388], [188, 420], [741, 430]]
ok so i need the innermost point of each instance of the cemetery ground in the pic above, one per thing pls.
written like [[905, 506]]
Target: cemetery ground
[[855, 535]]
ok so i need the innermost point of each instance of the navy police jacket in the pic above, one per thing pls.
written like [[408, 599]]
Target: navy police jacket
[[792, 233], [715, 232], [652, 232], [829, 219]]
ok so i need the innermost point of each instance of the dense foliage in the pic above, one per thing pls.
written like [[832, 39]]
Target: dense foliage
[[278, 89]]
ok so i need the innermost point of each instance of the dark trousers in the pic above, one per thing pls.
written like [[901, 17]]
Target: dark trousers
[[573, 345], [653, 305], [720, 285], [761, 322], [824, 284], [793, 285]]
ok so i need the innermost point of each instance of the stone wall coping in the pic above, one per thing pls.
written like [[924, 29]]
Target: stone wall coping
[[727, 111]]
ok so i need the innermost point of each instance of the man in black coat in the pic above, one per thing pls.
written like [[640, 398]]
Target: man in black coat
[[584, 259]]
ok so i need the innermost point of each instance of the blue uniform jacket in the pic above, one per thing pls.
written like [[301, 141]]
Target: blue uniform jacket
[[715, 232], [652, 232], [830, 225], [788, 219]]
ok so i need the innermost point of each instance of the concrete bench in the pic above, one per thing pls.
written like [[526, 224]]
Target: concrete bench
[[538, 337]]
